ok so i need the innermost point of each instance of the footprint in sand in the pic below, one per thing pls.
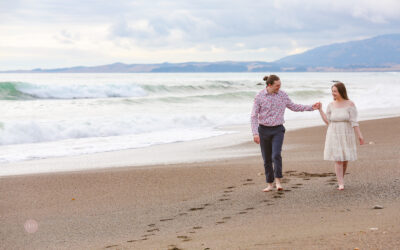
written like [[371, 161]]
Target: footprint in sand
[[130, 241], [249, 179], [248, 183], [228, 191], [226, 218], [173, 247], [230, 187], [196, 208], [151, 225], [224, 199], [166, 219], [287, 190], [306, 175], [331, 181], [147, 235], [184, 237], [153, 230], [197, 227], [111, 246], [181, 214], [243, 212], [220, 222], [249, 208]]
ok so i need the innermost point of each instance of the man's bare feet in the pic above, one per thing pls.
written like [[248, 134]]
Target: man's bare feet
[[278, 184], [268, 188]]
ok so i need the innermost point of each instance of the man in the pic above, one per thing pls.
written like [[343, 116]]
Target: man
[[267, 120]]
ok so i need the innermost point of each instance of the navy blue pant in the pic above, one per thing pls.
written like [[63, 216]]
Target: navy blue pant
[[271, 140]]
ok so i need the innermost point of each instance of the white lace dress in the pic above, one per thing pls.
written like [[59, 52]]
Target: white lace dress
[[340, 143]]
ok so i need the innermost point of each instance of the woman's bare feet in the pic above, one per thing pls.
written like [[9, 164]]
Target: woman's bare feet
[[341, 187]]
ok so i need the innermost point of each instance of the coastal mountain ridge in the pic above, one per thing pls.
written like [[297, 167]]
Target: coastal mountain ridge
[[381, 53]]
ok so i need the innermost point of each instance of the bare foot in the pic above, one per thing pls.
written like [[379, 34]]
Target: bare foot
[[267, 189], [341, 187], [278, 184]]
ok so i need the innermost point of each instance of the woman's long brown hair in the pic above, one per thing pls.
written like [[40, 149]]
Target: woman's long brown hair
[[341, 89]]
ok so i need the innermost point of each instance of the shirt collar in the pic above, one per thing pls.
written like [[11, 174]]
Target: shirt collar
[[267, 94]]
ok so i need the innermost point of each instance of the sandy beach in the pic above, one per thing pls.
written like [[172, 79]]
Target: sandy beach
[[217, 204]]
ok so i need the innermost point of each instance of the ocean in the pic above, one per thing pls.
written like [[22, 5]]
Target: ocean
[[53, 115]]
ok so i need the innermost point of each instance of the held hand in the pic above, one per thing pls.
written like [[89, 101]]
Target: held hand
[[256, 139], [316, 106]]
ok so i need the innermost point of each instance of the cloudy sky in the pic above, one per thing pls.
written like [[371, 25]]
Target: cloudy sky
[[60, 33]]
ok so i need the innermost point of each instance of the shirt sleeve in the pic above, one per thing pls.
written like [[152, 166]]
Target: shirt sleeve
[[297, 107], [254, 115], [353, 116]]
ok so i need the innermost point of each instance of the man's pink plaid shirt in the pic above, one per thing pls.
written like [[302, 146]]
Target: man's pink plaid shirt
[[269, 109]]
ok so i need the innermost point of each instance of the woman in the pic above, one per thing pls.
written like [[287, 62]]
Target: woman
[[341, 118]]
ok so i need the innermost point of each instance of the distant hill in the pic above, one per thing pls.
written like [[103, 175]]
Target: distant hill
[[381, 53], [378, 52], [164, 67]]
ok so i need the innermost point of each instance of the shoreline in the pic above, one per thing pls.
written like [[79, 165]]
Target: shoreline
[[216, 204], [166, 153]]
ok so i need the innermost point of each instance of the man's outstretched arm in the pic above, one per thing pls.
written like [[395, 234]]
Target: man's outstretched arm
[[299, 107]]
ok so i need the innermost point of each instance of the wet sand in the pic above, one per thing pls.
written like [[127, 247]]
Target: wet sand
[[216, 204]]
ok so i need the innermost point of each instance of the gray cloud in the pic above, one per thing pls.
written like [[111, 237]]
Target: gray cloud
[[299, 20], [271, 29], [67, 37]]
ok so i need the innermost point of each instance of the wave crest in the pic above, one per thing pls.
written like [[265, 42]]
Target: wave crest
[[28, 91]]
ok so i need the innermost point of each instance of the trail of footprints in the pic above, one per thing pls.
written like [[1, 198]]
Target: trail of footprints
[[225, 196]]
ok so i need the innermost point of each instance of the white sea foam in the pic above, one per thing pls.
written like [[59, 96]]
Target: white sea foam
[[21, 132], [70, 147], [49, 115]]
